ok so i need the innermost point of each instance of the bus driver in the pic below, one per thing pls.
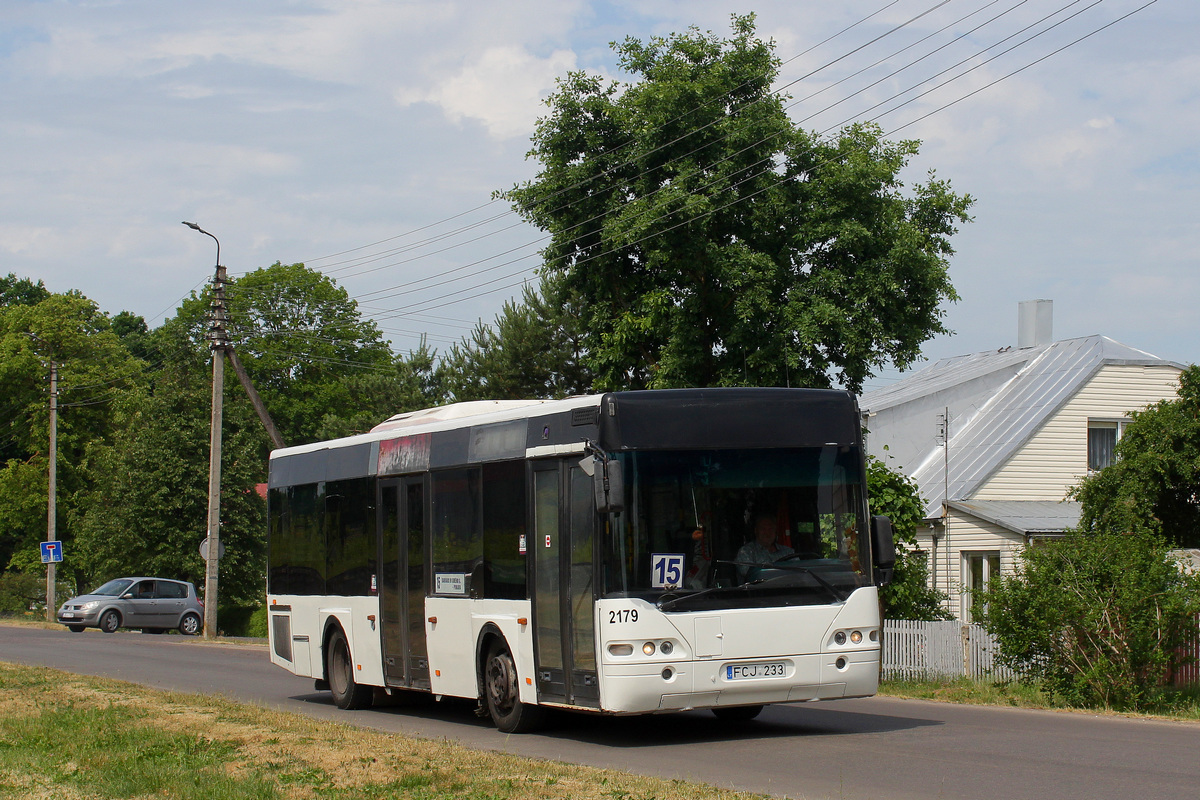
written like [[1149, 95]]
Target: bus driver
[[765, 548]]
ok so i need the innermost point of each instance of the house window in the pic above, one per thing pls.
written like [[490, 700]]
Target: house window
[[979, 570], [1103, 436]]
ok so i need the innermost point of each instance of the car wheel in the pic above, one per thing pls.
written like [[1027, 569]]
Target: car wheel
[[75, 628], [737, 713], [190, 625], [110, 621], [502, 693], [347, 694]]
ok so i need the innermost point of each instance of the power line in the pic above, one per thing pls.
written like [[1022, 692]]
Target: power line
[[375, 257], [432, 303]]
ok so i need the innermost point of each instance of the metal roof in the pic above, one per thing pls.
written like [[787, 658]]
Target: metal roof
[[997, 401], [1027, 517]]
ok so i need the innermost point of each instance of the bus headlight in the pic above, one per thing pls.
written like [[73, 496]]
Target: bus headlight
[[620, 649], [648, 648], [666, 648], [856, 637], [839, 637]]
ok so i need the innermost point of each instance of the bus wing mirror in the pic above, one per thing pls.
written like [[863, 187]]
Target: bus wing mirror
[[883, 549], [609, 483]]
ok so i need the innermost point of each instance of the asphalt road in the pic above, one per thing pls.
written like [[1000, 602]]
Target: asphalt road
[[873, 749]]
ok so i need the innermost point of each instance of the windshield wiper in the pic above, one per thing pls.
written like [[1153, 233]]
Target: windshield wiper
[[829, 587], [669, 602]]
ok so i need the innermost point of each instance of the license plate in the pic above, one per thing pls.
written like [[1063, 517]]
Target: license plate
[[760, 669], [67, 614]]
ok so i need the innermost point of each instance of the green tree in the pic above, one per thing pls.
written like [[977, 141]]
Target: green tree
[[145, 507], [21, 291], [133, 332], [414, 383], [1154, 485], [532, 351], [908, 596], [1097, 617], [93, 369], [300, 337], [705, 240]]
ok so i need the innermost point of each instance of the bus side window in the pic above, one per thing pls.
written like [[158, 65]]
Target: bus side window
[[504, 500], [456, 534]]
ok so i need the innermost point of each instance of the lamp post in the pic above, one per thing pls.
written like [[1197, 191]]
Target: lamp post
[[219, 343]]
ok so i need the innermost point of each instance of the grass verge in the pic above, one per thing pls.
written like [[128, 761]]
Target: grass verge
[[72, 737], [1183, 704]]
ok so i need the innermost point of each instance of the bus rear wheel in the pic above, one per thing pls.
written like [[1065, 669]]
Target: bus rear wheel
[[502, 692], [347, 693]]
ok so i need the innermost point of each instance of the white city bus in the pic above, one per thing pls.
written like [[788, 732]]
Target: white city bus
[[595, 553]]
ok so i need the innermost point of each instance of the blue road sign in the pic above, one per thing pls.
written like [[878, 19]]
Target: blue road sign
[[51, 551]]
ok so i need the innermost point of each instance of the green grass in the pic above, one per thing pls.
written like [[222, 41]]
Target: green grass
[[973, 692], [1179, 704], [70, 736]]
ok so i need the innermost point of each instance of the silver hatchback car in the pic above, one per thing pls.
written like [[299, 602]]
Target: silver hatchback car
[[153, 605]]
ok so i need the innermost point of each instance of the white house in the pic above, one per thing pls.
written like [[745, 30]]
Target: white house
[[996, 440]]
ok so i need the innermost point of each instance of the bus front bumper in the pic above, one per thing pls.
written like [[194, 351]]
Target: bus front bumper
[[680, 685]]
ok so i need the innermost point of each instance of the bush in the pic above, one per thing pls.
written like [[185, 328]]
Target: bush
[[236, 620], [908, 596], [1098, 618], [258, 623], [22, 592]]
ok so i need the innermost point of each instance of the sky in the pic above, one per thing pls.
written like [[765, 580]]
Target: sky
[[366, 139]]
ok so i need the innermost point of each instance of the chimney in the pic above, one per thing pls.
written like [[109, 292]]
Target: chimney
[[1035, 323]]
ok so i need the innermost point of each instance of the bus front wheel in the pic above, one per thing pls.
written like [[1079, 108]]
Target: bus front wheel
[[347, 693], [502, 691]]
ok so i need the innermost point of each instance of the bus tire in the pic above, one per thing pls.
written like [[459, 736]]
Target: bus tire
[[339, 667], [737, 713], [502, 693]]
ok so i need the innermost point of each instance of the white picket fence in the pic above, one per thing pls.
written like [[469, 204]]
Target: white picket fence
[[922, 650]]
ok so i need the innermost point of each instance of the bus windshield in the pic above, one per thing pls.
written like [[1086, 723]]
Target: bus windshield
[[706, 529]]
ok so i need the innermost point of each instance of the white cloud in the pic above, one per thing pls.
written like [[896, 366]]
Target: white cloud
[[504, 89], [20, 239], [298, 129]]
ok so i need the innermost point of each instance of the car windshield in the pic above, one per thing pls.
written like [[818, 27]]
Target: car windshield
[[739, 528], [114, 588]]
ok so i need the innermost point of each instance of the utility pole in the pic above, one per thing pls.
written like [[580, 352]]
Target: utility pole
[[219, 342], [52, 470], [52, 503]]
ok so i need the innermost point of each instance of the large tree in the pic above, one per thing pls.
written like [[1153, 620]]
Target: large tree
[[533, 350], [93, 368], [16, 291], [300, 337], [144, 507], [413, 383], [707, 240], [1154, 485]]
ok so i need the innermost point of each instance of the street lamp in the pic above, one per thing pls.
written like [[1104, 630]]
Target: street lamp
[[213, 541]]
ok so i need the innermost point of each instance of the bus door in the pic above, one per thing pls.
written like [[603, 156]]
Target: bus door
[[564, 521], [402, 584]]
